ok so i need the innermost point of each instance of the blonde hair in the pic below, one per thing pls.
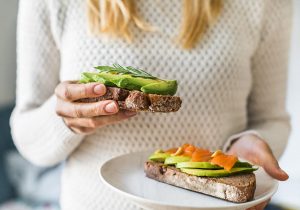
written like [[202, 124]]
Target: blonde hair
[[114, 17]]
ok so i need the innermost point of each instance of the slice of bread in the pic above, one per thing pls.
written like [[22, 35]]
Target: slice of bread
[[138, 101], [237, 188]]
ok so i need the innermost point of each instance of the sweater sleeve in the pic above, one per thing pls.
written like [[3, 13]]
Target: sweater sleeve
[[267, 116], [39, 134]]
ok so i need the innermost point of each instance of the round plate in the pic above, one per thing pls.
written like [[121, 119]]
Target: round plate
[[125, 175]]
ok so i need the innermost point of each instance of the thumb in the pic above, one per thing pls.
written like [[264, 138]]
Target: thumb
[[272, 167]]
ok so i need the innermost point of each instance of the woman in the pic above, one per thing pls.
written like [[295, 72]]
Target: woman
[[230, 58]]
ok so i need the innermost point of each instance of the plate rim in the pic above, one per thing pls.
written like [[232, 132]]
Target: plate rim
[[163, 204]]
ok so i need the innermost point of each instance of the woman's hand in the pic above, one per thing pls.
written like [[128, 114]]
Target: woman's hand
[[85, 118], [257, 151]]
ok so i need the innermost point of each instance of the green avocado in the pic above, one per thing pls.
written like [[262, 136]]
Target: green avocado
[[168, 87], [87, 77], [159, 157], [208, 165], [216, 173], [172, 160], [239, 164], [129, 82], [205, 165]]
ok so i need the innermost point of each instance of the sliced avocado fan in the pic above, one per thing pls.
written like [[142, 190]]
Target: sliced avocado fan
[[131, 79], [172, 160], [216, 173], [208, 165], [205, 169], [159, 157]]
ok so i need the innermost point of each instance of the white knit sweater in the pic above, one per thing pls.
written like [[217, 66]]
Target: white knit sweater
[[233, 81]]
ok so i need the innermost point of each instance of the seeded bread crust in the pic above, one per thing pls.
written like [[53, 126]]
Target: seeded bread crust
[[138, 101], [237, 188]]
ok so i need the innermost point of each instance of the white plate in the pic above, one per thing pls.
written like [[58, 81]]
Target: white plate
[[125, 175]]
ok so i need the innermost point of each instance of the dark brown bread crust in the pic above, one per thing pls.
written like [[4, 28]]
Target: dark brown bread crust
[[238, 188], [159, 103], [138, 101]]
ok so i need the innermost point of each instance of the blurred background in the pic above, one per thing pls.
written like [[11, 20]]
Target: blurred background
[[25, 183]]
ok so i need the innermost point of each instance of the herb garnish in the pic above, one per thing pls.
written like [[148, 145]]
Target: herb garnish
[[118, 69]]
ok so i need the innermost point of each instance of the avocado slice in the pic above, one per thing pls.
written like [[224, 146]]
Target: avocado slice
[[126, 81], [216, 173], [240, 164], [87, 77], [172, 160], [208, 165], [205, 165], [159, 157], [162, 88]]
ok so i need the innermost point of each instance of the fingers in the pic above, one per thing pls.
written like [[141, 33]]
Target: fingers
[[97, 122], [70, 91], [84, 118], [271, 166], [84, 110], [257, 151], [267, 160]]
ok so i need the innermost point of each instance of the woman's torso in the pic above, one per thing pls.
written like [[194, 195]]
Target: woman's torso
[[214, 83]]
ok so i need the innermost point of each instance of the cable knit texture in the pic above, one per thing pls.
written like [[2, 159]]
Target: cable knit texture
[[233, 81]]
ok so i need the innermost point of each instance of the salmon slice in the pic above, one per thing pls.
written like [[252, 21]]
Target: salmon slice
[[201, 155], [171, 150], [225, 161], [188, 150]]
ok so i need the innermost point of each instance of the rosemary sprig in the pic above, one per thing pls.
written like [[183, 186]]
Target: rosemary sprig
[[118, 69]]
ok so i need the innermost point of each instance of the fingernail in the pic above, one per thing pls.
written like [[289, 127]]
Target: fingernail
[[111, 107], [99, 89], [129, 113], [283, 172]]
